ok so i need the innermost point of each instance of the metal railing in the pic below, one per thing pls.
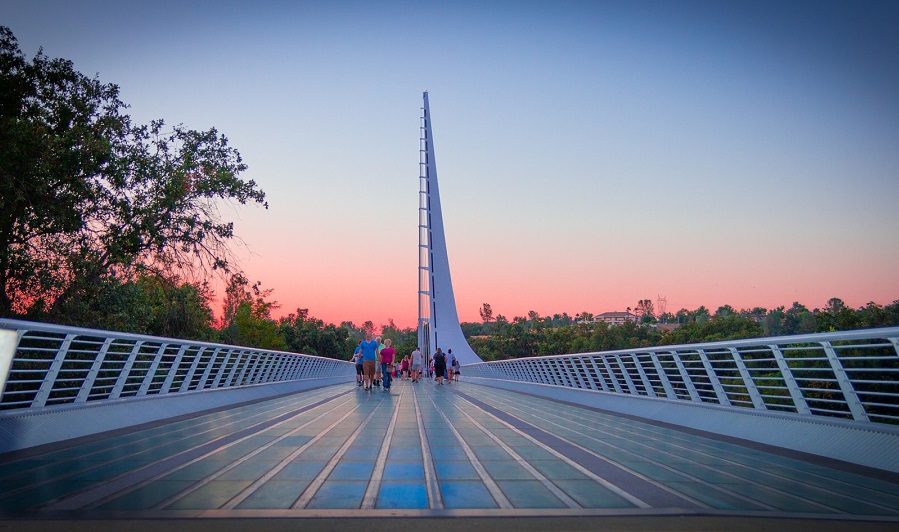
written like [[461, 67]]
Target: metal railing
[[852, 375], [55, 365]]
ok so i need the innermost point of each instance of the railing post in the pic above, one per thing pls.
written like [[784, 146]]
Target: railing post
[[193, 370], [293, 374], [751, 389], [688, 382], [643, 377], [208, 369], [602, 381], [555, 373], [627, 376], [267, 367], [151, 373], [795, 392], [43, 394], [244, 368], [663, 377], [91, 377], [586, 380], [230, 380], [221, 371], [170, 378], [126, 371], [713, 378], [283, 366], [849, 394], [615, 384]]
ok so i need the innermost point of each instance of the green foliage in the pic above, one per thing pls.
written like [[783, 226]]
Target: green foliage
[[535, 336], [89, 197], [247, 317], [304, 334], [147, 304], [724, 326]]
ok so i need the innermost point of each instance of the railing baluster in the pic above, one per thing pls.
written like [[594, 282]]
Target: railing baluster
[[713, 378], [748, 381], [91, 377], [627, 377], [666, 384], [185, 386], [849, 394], [790, 381], [43, 394], [170, 378], [615, 384], [151, 372], [120, 383], [643, 377], [599, 377]]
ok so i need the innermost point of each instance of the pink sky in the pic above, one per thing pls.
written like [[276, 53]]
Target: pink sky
[[590, 154]]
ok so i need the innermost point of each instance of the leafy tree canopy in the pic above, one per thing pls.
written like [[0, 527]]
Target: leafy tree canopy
[[89, 196]]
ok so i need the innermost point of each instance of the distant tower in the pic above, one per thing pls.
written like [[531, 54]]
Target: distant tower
[[661, 305], [438, 321]]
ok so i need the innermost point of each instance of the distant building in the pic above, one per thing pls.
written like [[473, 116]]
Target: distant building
[[615, 318]]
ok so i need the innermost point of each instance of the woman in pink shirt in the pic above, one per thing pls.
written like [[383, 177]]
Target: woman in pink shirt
[[387, 360]]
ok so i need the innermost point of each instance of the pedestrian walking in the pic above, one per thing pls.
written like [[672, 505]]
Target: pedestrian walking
[[439, 366], [387, 365], [416, 364], [357, 360], [369, 359]]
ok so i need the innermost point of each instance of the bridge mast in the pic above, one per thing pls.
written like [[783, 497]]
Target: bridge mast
[[438, 321]]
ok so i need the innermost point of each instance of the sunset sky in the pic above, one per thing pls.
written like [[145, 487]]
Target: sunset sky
[[590, 154]]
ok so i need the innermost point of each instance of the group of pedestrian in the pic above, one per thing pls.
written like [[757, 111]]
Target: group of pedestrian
[[375, 364], [444, 369]]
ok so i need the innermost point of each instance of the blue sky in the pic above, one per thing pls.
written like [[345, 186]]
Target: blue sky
[[590, 154]]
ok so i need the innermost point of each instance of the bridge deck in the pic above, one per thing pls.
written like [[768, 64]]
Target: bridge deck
[[426, 450]]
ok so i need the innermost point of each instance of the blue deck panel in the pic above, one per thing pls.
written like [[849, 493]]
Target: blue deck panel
[[342, 448]]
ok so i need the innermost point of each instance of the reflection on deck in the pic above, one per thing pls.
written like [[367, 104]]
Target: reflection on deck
[[424, 449]]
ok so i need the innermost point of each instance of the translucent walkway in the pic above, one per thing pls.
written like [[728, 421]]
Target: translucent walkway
[[426, 450]]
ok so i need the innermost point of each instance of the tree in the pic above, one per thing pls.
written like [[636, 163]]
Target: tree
[[798, 320], [725, 311], [486, 313], [645, 310], [247, 317], [88, 195], [304, 334], [834, 305]]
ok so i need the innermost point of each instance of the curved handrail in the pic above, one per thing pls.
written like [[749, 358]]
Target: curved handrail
[[56, 364], [849, 374]]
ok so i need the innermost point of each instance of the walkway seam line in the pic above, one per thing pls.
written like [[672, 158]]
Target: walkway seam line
[[246, 492], [633, 499], [435, 498], [765, 486], [547, 483], [206, 480], [323, 475], [211, 423], [669, 468], [102, 493], [377, 475], [501, 500]]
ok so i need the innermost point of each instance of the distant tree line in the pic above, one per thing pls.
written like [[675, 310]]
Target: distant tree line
[[534, 335]]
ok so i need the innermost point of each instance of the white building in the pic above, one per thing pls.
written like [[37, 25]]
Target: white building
[[615, 318]]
